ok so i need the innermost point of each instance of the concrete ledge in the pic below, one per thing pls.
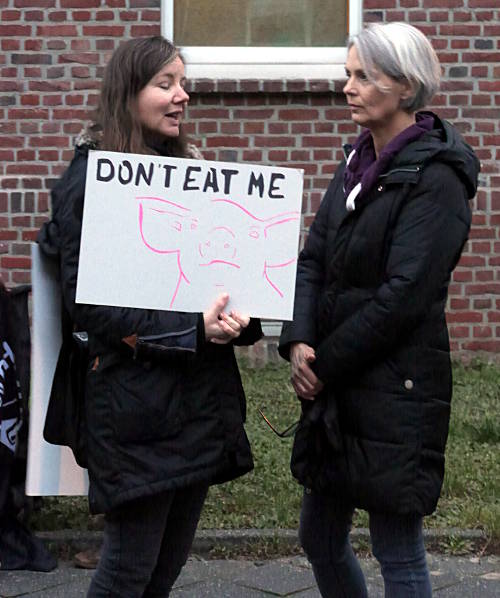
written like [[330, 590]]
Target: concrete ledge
[[66, 543]]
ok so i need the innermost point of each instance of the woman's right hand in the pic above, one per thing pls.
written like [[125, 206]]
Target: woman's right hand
[[304, 381]]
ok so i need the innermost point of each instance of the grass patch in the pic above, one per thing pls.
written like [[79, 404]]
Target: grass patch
[[471, 491], [268, 497]]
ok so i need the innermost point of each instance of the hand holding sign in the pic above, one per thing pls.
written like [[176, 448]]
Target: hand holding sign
[[221, 328]]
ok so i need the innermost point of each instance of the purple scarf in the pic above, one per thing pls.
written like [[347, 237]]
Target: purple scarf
[[363, 168]]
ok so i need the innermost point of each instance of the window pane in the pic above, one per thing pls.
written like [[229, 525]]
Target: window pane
[[302, 23]]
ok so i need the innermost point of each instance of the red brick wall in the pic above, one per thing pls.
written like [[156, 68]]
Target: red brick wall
[[52, 54]]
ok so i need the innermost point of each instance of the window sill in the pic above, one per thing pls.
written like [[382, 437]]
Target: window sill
[[284, 85]]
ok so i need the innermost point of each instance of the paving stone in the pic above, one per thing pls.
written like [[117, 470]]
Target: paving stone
[[446, 572], [199, 569], [277, 577], [457, 577], [77, 589], [32, 583], [312, 593], [472, 588], [215, 588]]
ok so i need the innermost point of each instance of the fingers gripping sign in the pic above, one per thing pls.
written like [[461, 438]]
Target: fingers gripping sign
[[221, 328]]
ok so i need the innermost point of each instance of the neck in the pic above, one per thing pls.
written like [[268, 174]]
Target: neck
[[385, 132]]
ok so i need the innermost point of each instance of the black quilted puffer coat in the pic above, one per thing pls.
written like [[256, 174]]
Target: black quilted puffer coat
[[370, 298], [166, 415]]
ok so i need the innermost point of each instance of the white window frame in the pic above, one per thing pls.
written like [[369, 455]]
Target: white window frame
[[229, 62]]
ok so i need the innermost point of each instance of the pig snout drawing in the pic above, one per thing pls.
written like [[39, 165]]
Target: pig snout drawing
[[219, 247], [227, 245]]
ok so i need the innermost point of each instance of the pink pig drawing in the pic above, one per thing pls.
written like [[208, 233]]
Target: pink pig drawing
[[232, 245]]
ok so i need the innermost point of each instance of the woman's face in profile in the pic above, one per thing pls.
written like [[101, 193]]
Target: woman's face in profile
[[161, 103], [372, 106]]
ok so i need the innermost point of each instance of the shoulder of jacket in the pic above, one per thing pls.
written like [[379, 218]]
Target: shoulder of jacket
[[78, 165], [440, 184], [435, 170], [71, 185]]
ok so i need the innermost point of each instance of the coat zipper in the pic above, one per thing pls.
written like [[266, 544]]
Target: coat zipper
[[154, 337], [395, 170]]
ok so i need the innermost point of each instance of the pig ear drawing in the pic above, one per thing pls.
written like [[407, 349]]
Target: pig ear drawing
[[159, 220], [275, 230], [278, 259]]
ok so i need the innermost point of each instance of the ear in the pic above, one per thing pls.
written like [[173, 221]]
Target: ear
[[406, 90]]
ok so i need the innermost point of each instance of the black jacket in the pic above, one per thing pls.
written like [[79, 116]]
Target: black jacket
[[370, 298], [166, 415]]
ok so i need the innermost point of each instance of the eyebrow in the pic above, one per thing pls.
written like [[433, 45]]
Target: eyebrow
[[169, 76], [356, 71]]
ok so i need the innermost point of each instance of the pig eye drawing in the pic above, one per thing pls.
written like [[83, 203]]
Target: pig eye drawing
[[229, 246]]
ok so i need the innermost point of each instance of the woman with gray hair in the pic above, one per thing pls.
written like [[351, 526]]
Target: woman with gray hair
[[368, 344]]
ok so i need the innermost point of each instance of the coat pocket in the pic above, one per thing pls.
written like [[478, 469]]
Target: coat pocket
[[318, 459], [146, 403]]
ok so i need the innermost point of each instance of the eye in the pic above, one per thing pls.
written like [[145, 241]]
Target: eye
[[165, 86]]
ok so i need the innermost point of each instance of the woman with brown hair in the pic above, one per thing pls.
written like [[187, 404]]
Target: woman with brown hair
[[164, 402]]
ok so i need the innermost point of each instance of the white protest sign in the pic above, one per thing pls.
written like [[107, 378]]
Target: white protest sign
[[51, 470], [171, 233]]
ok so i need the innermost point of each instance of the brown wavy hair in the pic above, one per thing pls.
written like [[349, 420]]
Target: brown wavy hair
[[131, 67]]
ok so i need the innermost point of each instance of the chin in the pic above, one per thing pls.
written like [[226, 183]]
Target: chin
[[363, 122], [172, 133]]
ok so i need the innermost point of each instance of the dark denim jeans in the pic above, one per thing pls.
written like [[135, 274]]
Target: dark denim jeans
[[146, 544], [397, 543]]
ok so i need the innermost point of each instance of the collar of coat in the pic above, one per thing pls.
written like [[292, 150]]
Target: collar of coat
[[363, 168]]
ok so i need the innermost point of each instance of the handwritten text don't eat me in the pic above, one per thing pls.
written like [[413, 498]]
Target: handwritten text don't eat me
[[190, 178]]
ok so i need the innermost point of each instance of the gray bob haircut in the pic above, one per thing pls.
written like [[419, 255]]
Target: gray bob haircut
[[401, 52]]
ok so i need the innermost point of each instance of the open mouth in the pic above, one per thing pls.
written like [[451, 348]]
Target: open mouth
[[174, 116]]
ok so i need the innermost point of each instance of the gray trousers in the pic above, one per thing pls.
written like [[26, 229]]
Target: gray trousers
[[146, 544]]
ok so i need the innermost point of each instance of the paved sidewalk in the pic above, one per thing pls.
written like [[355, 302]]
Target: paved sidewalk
[[457, 577]]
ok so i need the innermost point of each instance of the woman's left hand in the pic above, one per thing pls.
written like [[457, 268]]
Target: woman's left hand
[[221, 328], [231, 325], [304, 381]]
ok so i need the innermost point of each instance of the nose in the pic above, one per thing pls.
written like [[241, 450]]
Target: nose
[[181, 96], [347, 89], [219, 245], [218, 249]]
